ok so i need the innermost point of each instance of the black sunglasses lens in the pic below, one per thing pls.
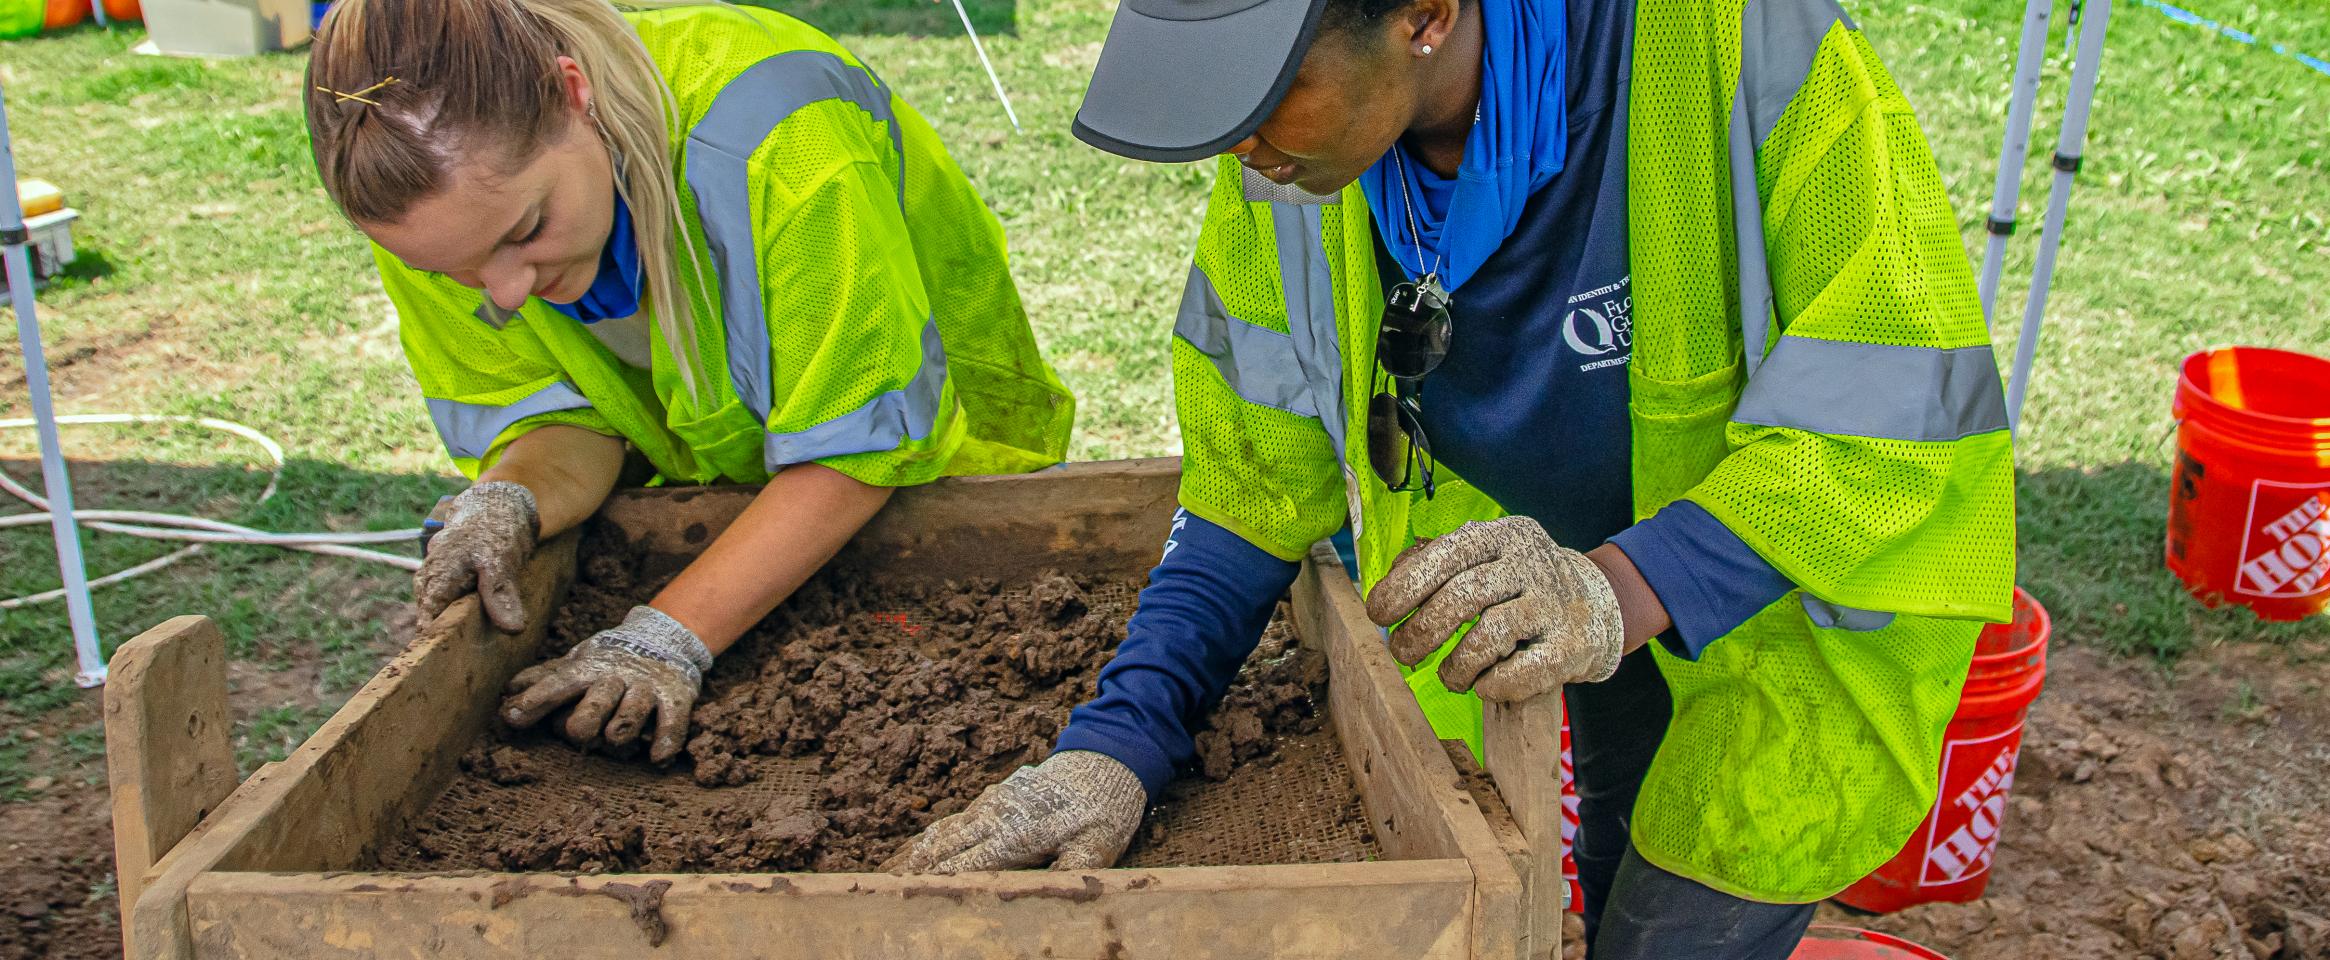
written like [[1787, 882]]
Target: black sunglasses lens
[[1415, 332], [1387, 442]]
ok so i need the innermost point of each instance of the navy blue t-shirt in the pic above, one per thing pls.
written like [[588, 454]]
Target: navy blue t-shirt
[[1530, 407]]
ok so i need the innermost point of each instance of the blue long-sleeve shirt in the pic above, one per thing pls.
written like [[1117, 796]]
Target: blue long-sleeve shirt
[[1530, 406], [1201, 615]]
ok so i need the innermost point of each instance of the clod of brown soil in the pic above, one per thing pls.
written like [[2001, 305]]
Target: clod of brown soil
[[859, 713]]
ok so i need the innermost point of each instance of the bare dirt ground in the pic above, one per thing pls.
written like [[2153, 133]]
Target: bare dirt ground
[[57, 889], [2177, 815], [2182, 817]]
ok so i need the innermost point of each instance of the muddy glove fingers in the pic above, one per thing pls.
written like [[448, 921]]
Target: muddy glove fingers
[[589, 715], [1024, 818], [1096, 848], [1544, 615], [672, 709], [488, 535], [650, 663], [1421, 569], [1465, 596], [1500, 630], [551, 687], [630, 715], [1035, 815], [1579, 634], [945, 838], [444, 577]]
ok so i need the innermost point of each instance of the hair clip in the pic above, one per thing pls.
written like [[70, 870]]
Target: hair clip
[[358, 96]]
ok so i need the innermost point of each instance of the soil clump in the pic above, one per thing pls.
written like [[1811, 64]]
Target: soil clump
[[859, 713]]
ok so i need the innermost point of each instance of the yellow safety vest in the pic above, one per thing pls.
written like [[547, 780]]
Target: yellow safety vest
[[1848, 425], [830, 219]]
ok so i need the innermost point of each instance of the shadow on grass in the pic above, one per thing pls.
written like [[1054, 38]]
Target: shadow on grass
[[88, 264], [2092, 553], [911, 18]]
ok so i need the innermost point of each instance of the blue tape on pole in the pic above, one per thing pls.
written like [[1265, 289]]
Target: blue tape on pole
[[2189, 18]]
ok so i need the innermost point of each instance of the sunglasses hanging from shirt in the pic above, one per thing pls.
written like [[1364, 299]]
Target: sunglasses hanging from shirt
[[1409, 345]]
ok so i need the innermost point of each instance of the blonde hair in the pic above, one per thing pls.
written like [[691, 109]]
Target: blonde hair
[[478, 76]]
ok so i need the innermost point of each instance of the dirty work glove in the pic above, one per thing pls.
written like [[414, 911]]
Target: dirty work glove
[[648, 664], [1077, 809], [1545, 614], [488, 535]]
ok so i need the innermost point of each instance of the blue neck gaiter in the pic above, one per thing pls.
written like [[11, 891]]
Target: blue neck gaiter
[[1517, 145], [614, 294]]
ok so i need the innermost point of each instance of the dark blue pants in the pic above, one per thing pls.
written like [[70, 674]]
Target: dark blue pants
[[1636, 911]]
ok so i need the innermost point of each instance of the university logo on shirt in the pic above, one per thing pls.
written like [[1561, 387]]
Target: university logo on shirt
[[1600, 325]]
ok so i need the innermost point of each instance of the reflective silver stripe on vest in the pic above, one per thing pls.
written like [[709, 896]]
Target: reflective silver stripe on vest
[[882, 423], [1834, 617], [719, 148], [1257, 362], [469, 429], [1875, 390], [1756, 309], [1778, 39], [1310, 311]]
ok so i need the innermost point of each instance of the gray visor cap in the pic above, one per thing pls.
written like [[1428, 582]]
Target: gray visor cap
[[1182, 80]]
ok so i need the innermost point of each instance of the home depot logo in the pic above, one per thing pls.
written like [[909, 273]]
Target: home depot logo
[[2289, 554], [1972, 816]]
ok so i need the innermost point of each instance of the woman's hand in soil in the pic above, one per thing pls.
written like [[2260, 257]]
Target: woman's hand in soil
[[1543, 615], [649, 664], [488, 535], [1077, 809]]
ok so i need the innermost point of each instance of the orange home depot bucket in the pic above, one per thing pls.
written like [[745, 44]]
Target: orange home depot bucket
[[1826, 942], [2249, 506], [1948, 858]]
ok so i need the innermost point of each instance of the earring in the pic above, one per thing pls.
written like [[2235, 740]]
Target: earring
[[1427, 50]]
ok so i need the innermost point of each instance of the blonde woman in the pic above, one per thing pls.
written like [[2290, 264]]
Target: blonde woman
[[706, 234]]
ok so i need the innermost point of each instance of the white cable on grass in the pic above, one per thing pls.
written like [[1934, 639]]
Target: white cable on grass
[[981, 48], [198, 530], [116, 577]]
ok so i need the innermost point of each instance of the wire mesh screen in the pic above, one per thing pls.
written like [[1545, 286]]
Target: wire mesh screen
[[1296, 804]]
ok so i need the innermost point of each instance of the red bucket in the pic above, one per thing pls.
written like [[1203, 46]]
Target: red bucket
[[1948, 858], [2249, 507], [1826, 942], [1569, 820]]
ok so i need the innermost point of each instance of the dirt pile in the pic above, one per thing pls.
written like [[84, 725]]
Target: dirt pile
[[56, 880], [859, 713], [2182, 820]]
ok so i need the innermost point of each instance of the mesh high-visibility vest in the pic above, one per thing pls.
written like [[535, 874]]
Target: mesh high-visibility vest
[[854, 308], [1847, 424]]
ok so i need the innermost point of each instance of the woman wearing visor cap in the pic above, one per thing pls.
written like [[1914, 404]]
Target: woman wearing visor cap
[[1634, 340]]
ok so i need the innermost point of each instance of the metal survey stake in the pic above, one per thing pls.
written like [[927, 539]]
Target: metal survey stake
[[15, 250], [2006, 193], [981, 49], [2095, 19]]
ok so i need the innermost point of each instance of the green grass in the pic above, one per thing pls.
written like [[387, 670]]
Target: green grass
[[217, 280]]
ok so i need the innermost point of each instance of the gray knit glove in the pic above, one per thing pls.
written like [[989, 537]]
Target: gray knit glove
[[489, 532], [1077, 809], [649, 664], [1546, 614]]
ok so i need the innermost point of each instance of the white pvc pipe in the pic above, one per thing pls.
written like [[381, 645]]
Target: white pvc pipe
[[2030, 55], [2067, 160], [981, 50], [199, 530], [13, 249]]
